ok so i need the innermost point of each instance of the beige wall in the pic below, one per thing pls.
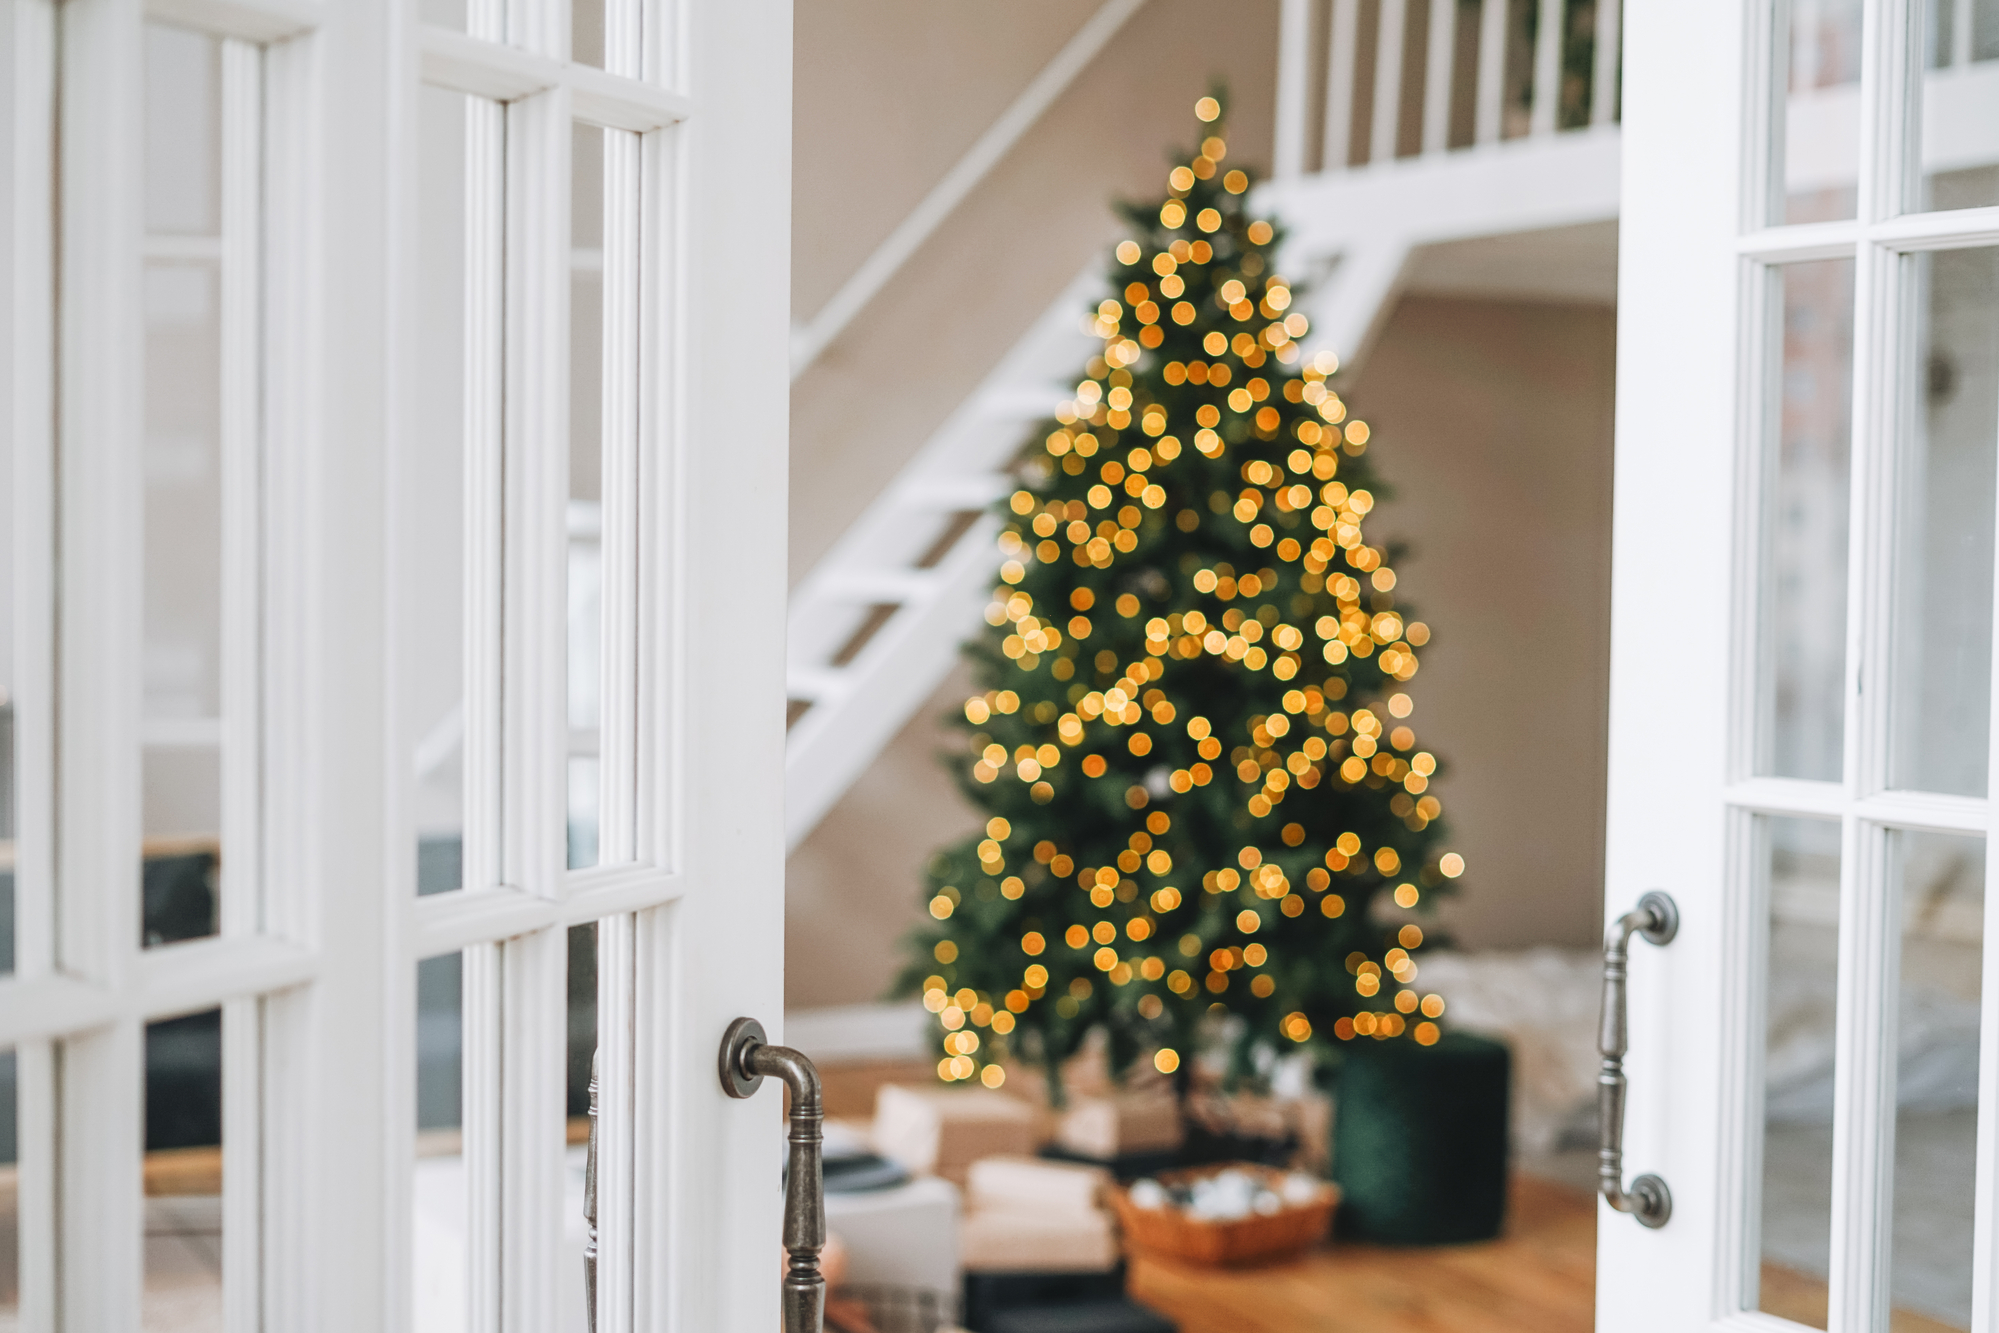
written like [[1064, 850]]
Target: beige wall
[[851, 888], [1493, 423], [873, 76]]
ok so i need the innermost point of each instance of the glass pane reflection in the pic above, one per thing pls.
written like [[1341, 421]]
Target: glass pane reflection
[[1799, 1060], [1941, 882], [1949, 446], [1805, 521], [1817, 153]]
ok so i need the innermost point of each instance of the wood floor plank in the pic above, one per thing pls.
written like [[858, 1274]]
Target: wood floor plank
[[1540, 1276]]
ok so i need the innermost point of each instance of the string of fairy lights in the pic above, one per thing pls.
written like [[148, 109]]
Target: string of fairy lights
[[1188, 511]]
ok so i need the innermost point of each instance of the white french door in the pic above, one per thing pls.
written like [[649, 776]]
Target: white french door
[[391, 728], [1802, 669]]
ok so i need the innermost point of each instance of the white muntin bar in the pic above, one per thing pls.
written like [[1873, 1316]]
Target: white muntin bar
[[484, 472], [1342, 57], [623, 298], [534, 704], [1388, 38], [241, 452], [1437, 81], [30, 371]]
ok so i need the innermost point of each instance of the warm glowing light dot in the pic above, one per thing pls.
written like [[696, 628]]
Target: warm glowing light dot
[[941, 906], [1452, 865], [1405, 895], [1128, 252], [1076, 937], [1166, 1060], [1406, 1001], [1207, 110], [1409, 936], [1031, 943], [1247, 921], [1427, 1034], [1333, 905], [992, 1076], [945, 952]]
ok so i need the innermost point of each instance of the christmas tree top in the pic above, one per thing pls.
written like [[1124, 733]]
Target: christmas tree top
[[1193, 738]]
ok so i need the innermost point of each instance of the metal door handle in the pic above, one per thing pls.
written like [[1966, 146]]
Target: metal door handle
[[746, 1057], [1657, 918]]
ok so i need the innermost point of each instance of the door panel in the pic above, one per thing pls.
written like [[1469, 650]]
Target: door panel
[[388, 410], [1807, 429]]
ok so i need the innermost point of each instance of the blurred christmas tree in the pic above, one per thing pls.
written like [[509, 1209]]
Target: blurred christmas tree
[[1192, 742]]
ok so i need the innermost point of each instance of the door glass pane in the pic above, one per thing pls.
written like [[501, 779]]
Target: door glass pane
[[183, 1175], [181, 718], [1960, 106], [586, 520], [1807, 447], [1949, 447], [1816, 146], [1801, 865], [10, 1193], [1942, 884], [440, 1272], [449, 524]]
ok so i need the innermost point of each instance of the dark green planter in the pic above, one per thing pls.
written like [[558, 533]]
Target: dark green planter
[[1420, 1140]]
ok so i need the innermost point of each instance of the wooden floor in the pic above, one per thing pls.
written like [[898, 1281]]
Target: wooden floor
[[1540, 1277]]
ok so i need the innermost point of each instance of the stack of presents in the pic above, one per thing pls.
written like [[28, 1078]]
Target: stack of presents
[[986, 1207]]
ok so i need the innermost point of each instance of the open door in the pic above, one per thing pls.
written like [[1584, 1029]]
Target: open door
[[394, 475], [1802, 669]]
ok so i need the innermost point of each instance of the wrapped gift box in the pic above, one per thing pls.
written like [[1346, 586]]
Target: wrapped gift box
[[942, 1131], [1124, 1124], [996, 1240], [1034, 1184]]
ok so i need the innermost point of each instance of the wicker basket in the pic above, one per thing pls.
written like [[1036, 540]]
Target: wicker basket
[[1170, 1233]]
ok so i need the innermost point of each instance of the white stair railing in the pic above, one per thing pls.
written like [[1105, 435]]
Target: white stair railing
[[1341, 101]]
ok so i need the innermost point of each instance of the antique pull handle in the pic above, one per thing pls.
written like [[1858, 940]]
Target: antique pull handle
[[746, 1058], [1657, 918]]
